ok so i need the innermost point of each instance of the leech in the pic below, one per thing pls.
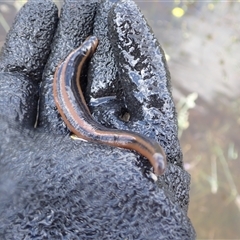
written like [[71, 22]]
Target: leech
[[74, 111]]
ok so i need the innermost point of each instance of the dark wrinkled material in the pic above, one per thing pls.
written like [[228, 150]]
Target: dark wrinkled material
[[18, 98], [27, 45], [24, 54], [77, 190], [52, 187], [102, 80]]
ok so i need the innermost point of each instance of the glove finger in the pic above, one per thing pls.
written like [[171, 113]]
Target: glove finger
[[75, 25], [145, 78], [22, 60], [136, 82], [28, 42], [102, 73]]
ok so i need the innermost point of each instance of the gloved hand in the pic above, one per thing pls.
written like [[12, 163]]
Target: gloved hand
[[53, 187]]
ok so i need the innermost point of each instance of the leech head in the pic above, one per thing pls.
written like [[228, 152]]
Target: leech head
[[159, 165], [159, 159]]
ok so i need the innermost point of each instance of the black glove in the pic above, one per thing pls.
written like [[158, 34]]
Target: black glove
[[53, 187]]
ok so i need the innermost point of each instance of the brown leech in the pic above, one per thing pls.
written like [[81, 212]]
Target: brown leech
[[71, 105]]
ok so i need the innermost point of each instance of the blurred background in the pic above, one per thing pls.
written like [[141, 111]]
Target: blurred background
[[201, 40]]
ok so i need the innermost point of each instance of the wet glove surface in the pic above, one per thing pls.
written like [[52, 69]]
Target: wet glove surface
[[52, 187]]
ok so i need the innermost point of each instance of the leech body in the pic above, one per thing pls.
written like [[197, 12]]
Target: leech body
[[72, 107]]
